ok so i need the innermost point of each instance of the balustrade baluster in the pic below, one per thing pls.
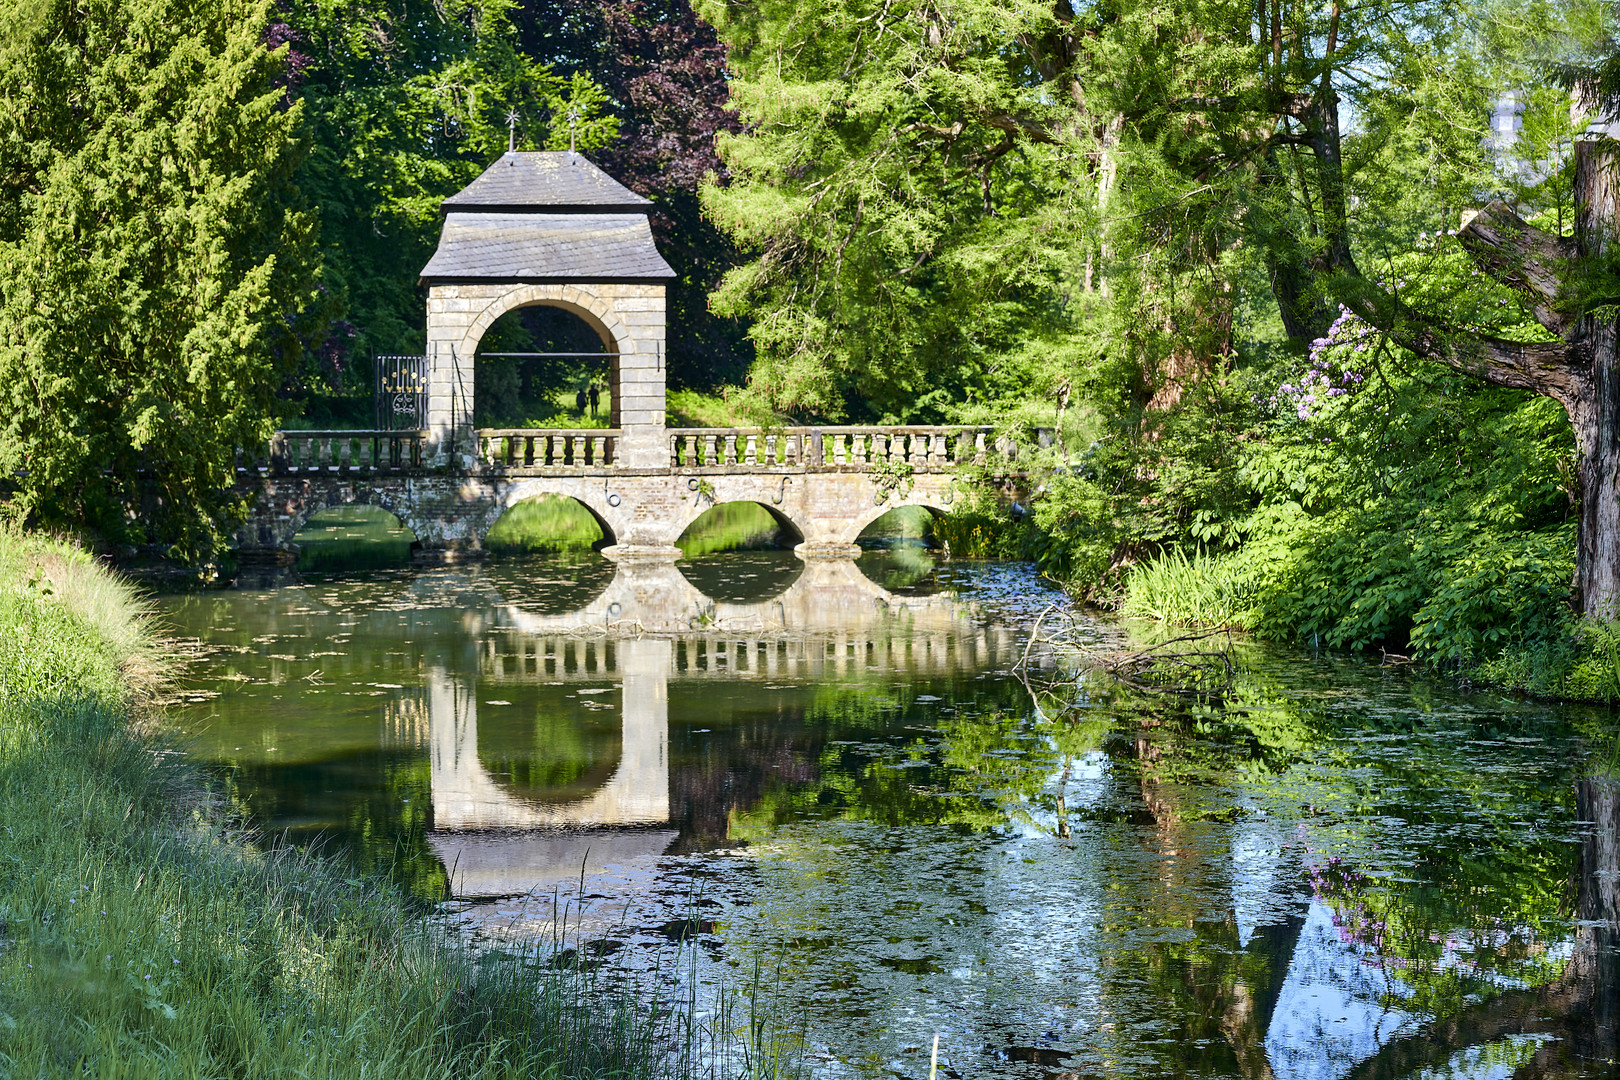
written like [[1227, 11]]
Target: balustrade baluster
[[578, 457], [344, 464], [751, 450], [857, 448], [936, 450], [917, 452], [709, 442], [770, 450], [730, 450]]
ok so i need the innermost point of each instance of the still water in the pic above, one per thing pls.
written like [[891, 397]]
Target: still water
[[836, 774]]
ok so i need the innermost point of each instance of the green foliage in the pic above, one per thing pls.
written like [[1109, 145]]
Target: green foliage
[[1198, 591], [912, 252], [406, 104], [144, 935], [545, 523], [154, 259]]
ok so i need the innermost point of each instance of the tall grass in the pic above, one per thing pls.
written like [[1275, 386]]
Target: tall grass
[[144, 934], [733, 526], [1198, 591], [545, 523]]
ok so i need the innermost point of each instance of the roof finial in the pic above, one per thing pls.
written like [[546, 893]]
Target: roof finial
[[511, 130], [573, 119]]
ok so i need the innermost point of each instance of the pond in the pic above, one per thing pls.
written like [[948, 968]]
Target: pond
[[864, 783]]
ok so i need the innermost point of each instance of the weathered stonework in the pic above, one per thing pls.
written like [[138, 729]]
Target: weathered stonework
[[643, 511], [629, 318]]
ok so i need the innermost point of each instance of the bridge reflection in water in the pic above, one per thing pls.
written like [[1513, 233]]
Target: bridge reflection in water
[[650, 626]]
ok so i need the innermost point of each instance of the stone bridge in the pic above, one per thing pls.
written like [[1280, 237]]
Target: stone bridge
[[551, 230], [825, 485]]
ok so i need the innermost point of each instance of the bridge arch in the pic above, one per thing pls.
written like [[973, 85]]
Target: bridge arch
[[693, 513], [593, 496], [396, 503], [871, 514]]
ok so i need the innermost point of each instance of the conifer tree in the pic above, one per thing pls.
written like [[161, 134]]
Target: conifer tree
[[153, 261]]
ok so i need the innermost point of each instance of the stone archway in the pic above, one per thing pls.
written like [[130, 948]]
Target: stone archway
[[862, 521], [628, 318], [331, 499]]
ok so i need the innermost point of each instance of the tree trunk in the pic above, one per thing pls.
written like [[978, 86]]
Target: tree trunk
[[1596, 412]]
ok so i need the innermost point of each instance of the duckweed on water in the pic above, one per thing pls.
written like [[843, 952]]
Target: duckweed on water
[[142, 933]]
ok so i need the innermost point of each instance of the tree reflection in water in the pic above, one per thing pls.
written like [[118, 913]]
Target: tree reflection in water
[[1328, 870]]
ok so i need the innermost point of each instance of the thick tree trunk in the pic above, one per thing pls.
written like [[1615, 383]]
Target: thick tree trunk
[[1596, 412]]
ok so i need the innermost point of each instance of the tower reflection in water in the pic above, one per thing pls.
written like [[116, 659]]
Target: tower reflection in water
[[498, 836]]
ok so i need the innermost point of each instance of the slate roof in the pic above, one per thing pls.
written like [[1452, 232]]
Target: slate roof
[[546, 217], [553, 181], [579, 248]]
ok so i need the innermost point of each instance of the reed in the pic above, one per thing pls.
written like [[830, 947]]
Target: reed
[[1201, 590]]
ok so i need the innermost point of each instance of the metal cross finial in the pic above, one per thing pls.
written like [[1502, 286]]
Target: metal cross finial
[[511, 130], [573, 119]]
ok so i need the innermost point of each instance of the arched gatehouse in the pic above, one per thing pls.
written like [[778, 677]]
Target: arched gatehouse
[[551, 229]]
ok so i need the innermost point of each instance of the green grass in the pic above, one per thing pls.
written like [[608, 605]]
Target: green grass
[[694, 408], [1197, 591], [144, 934], [353, 538], [545, 523], [733, 526]]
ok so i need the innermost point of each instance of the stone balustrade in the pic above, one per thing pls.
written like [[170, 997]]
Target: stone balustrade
[[520, 449], [294, 452], [565, 451], [924, 449]]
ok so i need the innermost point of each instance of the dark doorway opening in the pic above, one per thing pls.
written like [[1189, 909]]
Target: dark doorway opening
[[544, 367]]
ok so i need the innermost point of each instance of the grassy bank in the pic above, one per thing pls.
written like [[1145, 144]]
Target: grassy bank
[[143, 934]]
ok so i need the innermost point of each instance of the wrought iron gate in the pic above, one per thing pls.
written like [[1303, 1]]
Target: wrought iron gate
[[402, 392]]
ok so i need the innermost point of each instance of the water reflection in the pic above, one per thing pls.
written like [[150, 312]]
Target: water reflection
[[1339, 871]]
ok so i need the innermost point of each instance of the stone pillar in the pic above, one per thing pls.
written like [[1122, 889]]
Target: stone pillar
[[638, 403], [450, 316]]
